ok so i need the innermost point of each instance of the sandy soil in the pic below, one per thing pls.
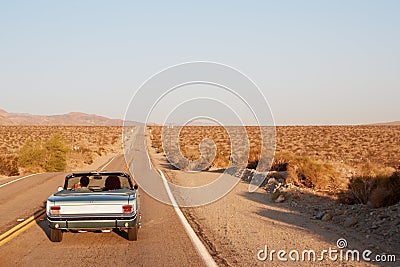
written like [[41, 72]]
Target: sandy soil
[[240, 224], [98, 162]]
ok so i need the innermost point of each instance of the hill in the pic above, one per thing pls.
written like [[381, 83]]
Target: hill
[[393, 123], [69, 119]]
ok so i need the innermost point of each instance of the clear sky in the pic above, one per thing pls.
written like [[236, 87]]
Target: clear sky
[[317, 62]]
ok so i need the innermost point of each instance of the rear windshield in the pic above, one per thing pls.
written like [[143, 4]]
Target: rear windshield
[[98, 183]]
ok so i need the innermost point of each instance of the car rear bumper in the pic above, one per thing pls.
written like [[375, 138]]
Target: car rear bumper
[[91, 222]]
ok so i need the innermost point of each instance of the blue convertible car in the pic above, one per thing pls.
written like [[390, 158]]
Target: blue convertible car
[[94, 201]]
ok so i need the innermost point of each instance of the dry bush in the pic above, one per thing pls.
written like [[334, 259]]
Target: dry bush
[[376, 191], [31, 157], [55, 154], [155, 137], [279, 164], [8, 165], [49, 156], [379, 197], [368, 169], [360, 189], [220, 161], [304, 171], [387, 191]]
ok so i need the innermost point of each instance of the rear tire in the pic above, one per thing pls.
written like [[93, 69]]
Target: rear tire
[[56, 235], [133, 233]]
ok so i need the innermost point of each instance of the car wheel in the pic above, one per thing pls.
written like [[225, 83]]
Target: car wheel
[[56, 235], [133, 233]]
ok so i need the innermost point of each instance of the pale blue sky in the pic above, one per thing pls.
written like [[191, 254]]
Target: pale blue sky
[[317, 62]]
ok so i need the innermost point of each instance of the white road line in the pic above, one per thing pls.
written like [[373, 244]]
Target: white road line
[[148, 157], [201, 249], [13, 181], [108, 163]]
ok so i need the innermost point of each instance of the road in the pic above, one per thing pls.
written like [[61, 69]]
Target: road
[[162, 238]]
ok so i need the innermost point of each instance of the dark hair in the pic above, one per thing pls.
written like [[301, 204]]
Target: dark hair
[[84, 181], [112, 182]]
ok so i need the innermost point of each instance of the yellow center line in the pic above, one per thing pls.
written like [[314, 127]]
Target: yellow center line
[[18, 229]]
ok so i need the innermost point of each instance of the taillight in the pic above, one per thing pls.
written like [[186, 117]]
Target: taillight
[[55, 210], [127, 209]]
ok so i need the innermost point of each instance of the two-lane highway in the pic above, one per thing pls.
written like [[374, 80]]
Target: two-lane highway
[[162, 238]]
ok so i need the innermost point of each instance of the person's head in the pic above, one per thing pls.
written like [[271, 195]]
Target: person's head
[[112, 182], [84, 181]]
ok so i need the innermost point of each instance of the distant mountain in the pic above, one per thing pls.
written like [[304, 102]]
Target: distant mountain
[[70, 119], [393, 123]]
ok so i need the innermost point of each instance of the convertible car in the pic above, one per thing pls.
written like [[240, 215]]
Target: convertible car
[[94, 201]]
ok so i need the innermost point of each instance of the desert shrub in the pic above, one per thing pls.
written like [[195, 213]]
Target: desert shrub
[[369, 169], [8, 166], [378, 197], [155, 138], [304, 171], [157, 144], [48, 156], [360, 188], [386, 192], [55, 154], [191, 153], [280, 164], [220, 161], [376, 191], [31, 157], [253, 161]]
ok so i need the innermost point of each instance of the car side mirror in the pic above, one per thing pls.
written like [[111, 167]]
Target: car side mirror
[[135, 186], [60, 188]]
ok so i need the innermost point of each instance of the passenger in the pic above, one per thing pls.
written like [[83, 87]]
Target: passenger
[[112, 183], [84, 181]]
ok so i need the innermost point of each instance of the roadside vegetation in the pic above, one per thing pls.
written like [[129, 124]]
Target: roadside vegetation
[[29, 149], [375, 191], [303, 171], [8, 165], [49, 156]]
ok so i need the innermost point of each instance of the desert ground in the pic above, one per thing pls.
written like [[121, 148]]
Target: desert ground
[[238, 225], [352, 146]]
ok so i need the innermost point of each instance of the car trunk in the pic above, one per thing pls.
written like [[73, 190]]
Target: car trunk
[[91, 204]]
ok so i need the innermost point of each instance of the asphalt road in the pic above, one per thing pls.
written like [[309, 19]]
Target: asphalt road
[[162, 238]]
